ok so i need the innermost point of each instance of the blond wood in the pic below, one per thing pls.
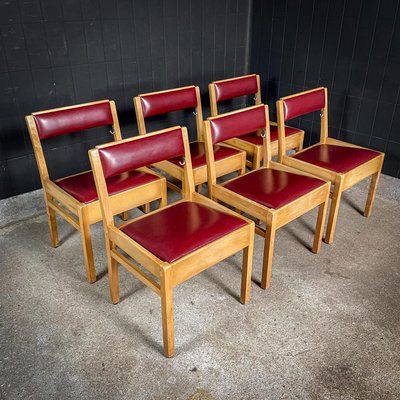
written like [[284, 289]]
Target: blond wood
[[254, 152], [341, 181], [224, 166], [79, 215], [273, 218], [167, 311], [118, 245], [269, 242], [87, 244]]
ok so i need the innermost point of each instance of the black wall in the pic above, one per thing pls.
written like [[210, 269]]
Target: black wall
[[353, 48], [60, 52]]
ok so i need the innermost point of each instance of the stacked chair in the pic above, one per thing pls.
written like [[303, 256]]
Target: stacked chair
[[252, 143], [177, 241]]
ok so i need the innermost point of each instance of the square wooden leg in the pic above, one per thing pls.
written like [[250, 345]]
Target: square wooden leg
[[319, 229], [269, 242], [51, 218], [167, 312], [334, 211], [371, 193], [87, 245], [246, 270]]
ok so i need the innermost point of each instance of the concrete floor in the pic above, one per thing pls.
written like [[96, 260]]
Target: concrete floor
[[328, 328]]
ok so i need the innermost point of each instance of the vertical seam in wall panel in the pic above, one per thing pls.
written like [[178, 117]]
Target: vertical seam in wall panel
[[305, 71], [151, 45], [179, 35], [282, 47], [368, 62], [383, 78], [330, 92], [270, 46], [323, 43], [351, 65], [236, 38], [295, 47], [249, 38], [226, 33]]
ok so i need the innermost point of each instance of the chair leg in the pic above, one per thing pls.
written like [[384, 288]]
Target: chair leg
[[124, 216], [146, 208], [269, 242], [333, 212], [51, 217], [256, 158], [301, 142], [371, 194], [113, 279], [87, 245], [246, 270], [319, 229], [199, 188], [167, 312]]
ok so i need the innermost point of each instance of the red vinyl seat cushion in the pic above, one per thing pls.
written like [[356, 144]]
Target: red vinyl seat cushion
[[258, 140], [198, 154], [180, 229], [273, 188], [83, 188], [339, 159]]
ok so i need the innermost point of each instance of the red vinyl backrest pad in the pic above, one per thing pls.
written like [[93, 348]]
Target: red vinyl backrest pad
[[174, 100], [146, 150], [304, 104], [235, 88], [237, 124], [56, 123]]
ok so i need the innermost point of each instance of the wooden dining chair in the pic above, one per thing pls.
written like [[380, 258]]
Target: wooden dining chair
[[274, 194], [228, 159], [249, 85], [173, 243], [341, 163], [74, 197]]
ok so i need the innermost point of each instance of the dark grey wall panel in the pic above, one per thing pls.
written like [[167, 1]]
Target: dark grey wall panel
[[351, 47], [56, 52]]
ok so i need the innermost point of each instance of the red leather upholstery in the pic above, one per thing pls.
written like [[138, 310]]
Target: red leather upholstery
[[235, 88], [258, 140], [83, 188], [198, 154], [176, 231], [304, 104], [149, 149], [336, 158], [165, 102], [273, 188], [226, 127], [55, 123]]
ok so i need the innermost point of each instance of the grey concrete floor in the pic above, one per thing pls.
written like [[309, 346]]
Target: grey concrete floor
[[328, 328]]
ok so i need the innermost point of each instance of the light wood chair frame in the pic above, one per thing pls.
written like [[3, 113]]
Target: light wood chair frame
[[254, 152], [340, 181], [168, 275], [273, 218], [223, 167], [82, 215]]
